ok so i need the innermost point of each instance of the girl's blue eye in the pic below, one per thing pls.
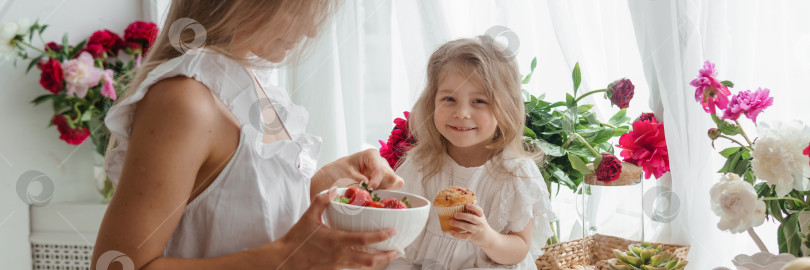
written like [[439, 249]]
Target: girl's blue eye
[[480, 101], [448, 99]]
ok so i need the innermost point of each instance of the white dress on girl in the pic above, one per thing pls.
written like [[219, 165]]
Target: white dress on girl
[[508, 203], [264, 188]]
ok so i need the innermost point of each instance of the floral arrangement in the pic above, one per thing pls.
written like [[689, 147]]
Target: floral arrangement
[[767, 176], [399, 142], [83, 80], [571, 136]]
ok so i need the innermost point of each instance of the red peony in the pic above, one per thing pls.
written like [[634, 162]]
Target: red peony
[[620, 92], [609, 169], [144, 33], [131, 47], [646, 146], [96, 50], [69, 134], [107, 39], [53, 46], [647, 117], [52, 77], [399, 142]]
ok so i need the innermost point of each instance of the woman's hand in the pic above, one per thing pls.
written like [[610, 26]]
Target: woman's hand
[[366, 166], [475, 224], [312, 245]]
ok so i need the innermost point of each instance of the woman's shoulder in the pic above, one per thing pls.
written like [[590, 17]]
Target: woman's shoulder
[[179, 102]]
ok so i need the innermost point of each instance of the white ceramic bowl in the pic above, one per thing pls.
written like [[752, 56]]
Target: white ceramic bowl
[[408, 222]]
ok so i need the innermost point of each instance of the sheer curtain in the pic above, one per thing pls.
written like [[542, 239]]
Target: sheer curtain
[[754, 44], [369, 65]]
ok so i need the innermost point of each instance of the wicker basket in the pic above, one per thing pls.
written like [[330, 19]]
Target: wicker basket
[[594, 251]]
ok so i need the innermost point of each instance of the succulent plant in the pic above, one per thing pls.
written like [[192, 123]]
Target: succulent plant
[[645, 257]]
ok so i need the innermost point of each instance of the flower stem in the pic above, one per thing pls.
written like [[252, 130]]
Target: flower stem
[[609, 125], [582, 140], [735, 141], [782, 198], [743, 133], [590, 93], [32, 47], [756, 239]]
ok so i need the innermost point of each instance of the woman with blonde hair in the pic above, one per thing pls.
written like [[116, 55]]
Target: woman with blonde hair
[[202, 182]]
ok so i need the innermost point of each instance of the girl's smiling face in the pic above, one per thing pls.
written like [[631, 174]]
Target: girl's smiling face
[[463, 114]]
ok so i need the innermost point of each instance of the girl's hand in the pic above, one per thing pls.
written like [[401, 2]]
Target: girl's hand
[[310, 244], [475, 224]]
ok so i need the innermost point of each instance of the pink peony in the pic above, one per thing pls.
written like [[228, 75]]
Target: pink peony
[[710, 91], [646, 146], [399, 142], [81, 74], [108, 89], [750, 103]]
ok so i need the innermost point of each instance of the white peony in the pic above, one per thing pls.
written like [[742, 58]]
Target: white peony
[[735, 202], [8, 30], [23, 26], [777, 156]]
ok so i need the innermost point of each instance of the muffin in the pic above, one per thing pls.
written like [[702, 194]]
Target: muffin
[[451, 201]]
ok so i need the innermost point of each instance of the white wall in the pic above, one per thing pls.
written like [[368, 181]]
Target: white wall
[[26, 143]]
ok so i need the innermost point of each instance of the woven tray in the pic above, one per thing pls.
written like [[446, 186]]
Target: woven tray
[[592, 253]]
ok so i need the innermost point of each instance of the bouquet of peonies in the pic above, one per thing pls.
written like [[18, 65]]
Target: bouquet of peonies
[[767, 176], [82, 81]]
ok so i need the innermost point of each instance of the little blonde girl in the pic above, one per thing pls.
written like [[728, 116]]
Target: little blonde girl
[[468, 124]]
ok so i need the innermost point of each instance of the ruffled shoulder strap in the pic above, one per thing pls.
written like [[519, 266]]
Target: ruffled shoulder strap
[[224, 77]]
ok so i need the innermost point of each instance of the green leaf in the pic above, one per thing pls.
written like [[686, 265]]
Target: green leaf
[[526, 79], [729, 151], [597, 161], [534, 64], [780, 236], [749, 177], [731, 163], [528, 132], [728, 83], [746, 154], [33, 63], [42, 98], [577, 76], [570, 101], [550, 149], [791, 234], [584, 108], [561, 176], [578, 164], [726, 127], [776, 211], [87, 115], [619, 118], [601, 137], [77, 49], [580, 150], [742, 166], [526, 95]]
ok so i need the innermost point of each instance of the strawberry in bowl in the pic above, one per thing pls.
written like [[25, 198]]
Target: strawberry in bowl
[[362, 210]]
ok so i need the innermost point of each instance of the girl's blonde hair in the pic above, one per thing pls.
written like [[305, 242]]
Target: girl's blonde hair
[[256, 22], [482, 62]]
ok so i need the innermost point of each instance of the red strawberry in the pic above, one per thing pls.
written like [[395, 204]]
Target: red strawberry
[[350, 192], [360, 197], [374, 204], [393, 204]]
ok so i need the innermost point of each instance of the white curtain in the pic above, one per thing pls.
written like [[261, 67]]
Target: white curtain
[[369, 66], [754, 44]]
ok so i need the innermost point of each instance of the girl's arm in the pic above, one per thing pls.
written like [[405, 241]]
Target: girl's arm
[[174, 130], [506, 249]]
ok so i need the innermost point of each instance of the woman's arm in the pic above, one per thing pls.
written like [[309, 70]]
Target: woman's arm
[[173, 131], [506, 249], [365, 166]]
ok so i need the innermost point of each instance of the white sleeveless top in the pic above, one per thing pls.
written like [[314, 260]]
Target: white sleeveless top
[[508, 203], [264, 188]]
